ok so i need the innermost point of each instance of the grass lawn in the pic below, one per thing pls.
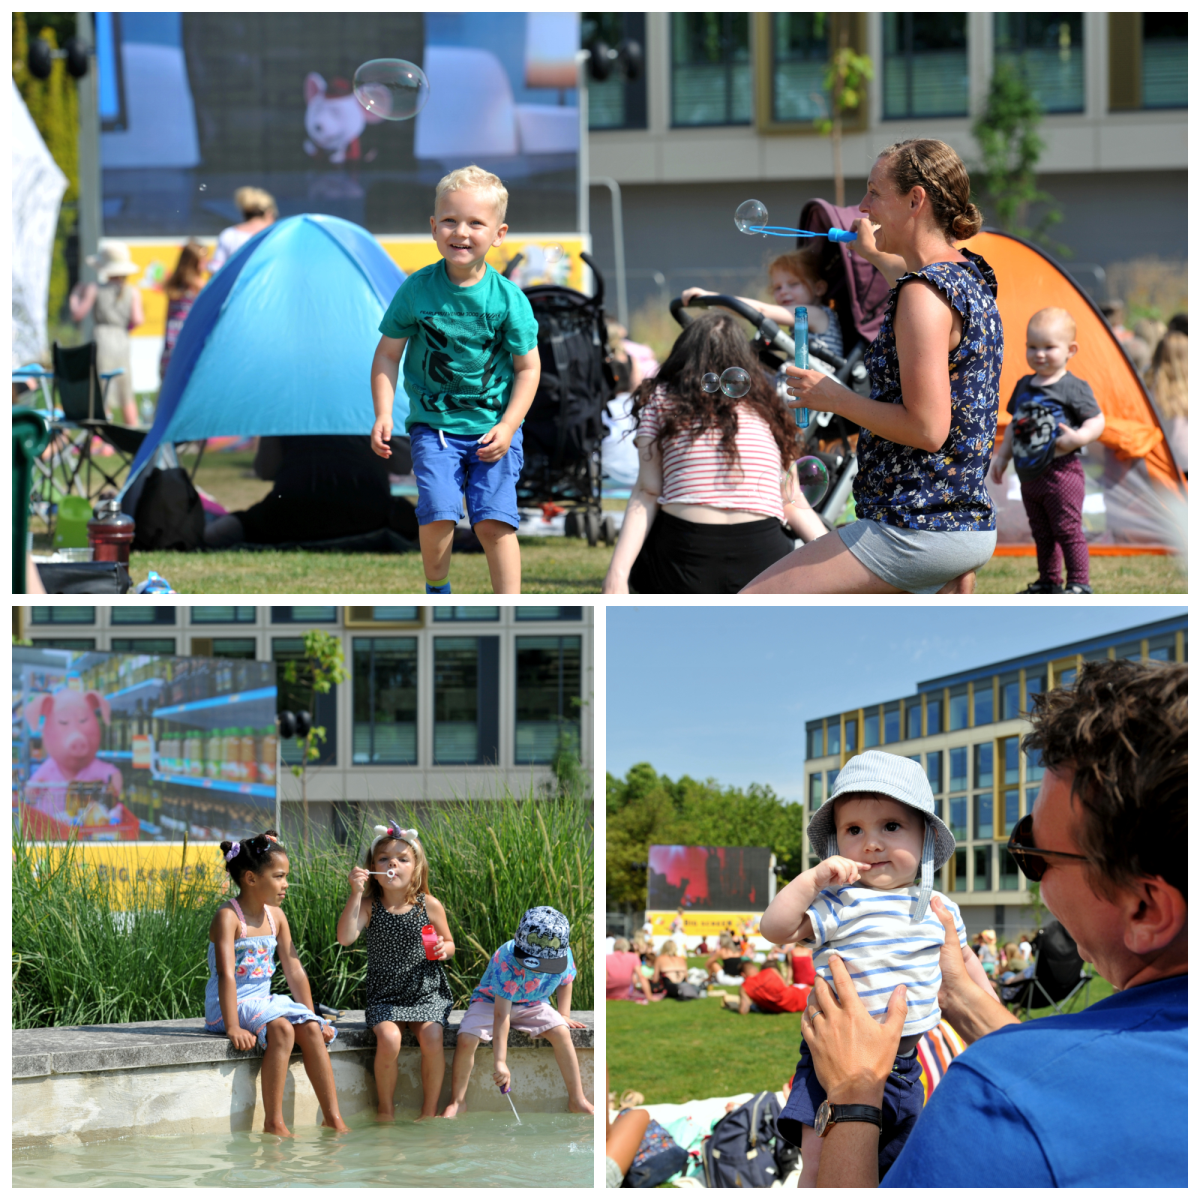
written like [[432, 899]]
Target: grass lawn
[[672, 1052]]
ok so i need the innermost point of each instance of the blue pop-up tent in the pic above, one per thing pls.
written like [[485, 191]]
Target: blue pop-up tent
[[279, 342]]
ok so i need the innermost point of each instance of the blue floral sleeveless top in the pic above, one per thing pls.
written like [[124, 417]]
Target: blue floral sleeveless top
[[944, 489]]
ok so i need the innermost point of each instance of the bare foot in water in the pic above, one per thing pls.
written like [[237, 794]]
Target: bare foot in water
[[580, 1106], [278, 1128], [453, 1109], [336, 1124], [386, 1114]]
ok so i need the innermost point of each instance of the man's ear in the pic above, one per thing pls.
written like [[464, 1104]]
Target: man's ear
[[1155, 915]]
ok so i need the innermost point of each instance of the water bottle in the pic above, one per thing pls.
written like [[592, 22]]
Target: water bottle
[[155, 584], [147, 411], [110, 533], [801, 338]]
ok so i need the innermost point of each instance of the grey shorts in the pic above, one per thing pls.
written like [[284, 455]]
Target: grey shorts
[[920, 561]]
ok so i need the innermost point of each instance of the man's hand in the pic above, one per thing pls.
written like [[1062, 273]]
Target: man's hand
[[493, 446], [966, 998], [381, 436], [502, 1076]]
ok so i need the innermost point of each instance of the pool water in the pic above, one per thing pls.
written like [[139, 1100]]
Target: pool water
[[476, 1150]]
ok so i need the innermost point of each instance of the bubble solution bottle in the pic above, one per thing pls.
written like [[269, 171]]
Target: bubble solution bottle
[[801, 338], [429, 939]]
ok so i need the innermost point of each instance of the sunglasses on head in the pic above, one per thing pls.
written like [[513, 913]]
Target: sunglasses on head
[[1029, 858]]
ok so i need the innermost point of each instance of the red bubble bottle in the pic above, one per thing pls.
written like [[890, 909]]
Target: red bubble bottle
[[429, 939]]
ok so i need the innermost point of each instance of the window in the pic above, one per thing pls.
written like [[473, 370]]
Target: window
[[851, 735], [231, 648], [814, 792], [983, 869], [303, 614], [384, 678], [549, 678], [1130, 650], [958, 817], [983, 815], [1164, 60], [46, 614], [1047, 51], [933, 715], [1033, 766], [1035, 684], [870, 728], [984, 776], [142, 645], [1010, 697], [800, 44], [958, 769], [297, 697], [816, 741], [548, 612], [615, 104], [912, 718], [460, 612], [141, 616], [933, 770], [959, 708], [1162, 649], [924, 65], [1012, 799], [1031, 794], [710, 69], [830, 780], [466, 715], [958, 876], [891, 722], [835, 737], [1012, 760], [223, 614], [1010, 877], [1065, 678], [65, 643], [984, 710], [1100, 655]]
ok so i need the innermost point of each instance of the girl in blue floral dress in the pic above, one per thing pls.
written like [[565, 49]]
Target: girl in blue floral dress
[[241, 961], [925, 518]]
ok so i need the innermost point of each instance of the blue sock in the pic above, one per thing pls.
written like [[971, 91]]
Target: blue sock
[[439, 587]]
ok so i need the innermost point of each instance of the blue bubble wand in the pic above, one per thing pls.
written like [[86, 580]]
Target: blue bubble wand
[[751, 217], [801, 339]]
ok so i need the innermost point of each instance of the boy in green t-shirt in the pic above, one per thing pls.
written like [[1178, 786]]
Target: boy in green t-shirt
[[471, 372]]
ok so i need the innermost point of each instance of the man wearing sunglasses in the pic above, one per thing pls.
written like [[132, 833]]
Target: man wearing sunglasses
[[1090, 1099]]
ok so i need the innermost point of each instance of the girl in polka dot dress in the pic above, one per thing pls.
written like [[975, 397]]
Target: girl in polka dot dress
[[404, 988]]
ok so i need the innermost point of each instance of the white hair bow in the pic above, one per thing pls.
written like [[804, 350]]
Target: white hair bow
[[405, 835]]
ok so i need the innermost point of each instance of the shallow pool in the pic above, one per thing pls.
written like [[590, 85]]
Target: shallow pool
[[476, 1150]]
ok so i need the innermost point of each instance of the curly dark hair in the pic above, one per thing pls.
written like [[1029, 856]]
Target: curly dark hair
[[713, 343], [1123, 730], [253, 854]]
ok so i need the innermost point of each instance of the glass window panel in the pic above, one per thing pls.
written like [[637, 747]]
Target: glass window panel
[[912, 719], [548, 612], [142, 645], [1010, 698], [1066, 679], [1100, 655], [816, 740], [153, 615], [1162, 649], [1130, 650], [958, 768], [615, 103], [984, 776], [234, 648], [462, 612], [959, 718], [1031, 794], [933, 715], [983, 815], [548, 680], [65, 643], [800, 57], [924, 65], [959, 876], [1046, 49], [1010, 876], [303, 614], [456, 700], [870, 728], [1164, 60], [891, 723], [834, 733], [55, 614], [1012, 800], [1035, 684], [830, 780], [851, 735], [223, 614], [395, 612], [938, 806], [384, 678], [814, 792], [1012, 760], [296, 697], [933, 770], [1033, 767], [984, 714], [958, 817], [710, 69], [983, 869]]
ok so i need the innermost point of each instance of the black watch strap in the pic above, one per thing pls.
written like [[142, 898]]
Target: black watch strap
[[840, 1113]]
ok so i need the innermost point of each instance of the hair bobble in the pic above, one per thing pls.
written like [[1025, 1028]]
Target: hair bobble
[[233, 851], [394, 831]]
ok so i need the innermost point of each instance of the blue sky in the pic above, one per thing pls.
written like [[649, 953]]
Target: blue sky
[[724, 692]]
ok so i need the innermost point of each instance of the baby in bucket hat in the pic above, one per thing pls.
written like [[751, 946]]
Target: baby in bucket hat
[[515, 992], [880, 842]]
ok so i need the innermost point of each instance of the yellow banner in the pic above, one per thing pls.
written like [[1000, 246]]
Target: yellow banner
[[143, 870], [703, 924]]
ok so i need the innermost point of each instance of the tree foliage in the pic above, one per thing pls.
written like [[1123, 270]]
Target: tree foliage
[[647, 809], [845, 86]]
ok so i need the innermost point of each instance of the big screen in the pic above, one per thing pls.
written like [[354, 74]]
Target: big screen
[[710, 878]]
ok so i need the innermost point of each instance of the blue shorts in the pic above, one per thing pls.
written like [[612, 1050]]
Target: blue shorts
[[903, 1099], [444, 472]]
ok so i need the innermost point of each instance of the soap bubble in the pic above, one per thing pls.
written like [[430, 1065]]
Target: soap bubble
[[204, 187], [711, 382], [735, 382], [553, 252], [751, 215], [812, 478], [391, 88]]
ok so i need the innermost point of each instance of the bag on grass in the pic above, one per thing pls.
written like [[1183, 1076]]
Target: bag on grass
[[169, 513], [658, 1158], [745, 1149]]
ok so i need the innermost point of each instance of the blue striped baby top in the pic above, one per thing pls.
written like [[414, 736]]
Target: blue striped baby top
[[874, 934]]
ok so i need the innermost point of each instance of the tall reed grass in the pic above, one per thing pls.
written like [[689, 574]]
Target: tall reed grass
[[86, 950]]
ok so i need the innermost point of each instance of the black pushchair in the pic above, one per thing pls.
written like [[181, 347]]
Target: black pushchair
[[859, 293], [563, 430]]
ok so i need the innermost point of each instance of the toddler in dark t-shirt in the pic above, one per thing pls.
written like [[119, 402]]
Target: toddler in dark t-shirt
[[1054, 414]]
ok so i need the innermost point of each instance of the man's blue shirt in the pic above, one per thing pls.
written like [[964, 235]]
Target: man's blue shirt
[[1093, 1099]]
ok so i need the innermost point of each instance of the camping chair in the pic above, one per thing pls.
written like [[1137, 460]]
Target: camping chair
[[1058, 975]]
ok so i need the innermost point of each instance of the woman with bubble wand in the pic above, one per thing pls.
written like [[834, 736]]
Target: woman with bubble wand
[[408, 940], [925, 520]]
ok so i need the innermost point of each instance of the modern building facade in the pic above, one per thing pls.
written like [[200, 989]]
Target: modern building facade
[[728, 105], [965, 730], [441, 702]]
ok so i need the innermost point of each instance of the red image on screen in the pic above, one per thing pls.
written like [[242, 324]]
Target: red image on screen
[[709, 878]]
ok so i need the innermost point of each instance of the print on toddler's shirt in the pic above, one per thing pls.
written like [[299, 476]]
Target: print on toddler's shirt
[[1035, 430], [465, 354]]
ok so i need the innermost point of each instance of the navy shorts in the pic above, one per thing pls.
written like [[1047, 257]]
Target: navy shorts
[[447, 464], [903, 1099]]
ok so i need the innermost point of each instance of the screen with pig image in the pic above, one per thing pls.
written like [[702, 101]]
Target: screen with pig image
[[138, 747], [195, 105]]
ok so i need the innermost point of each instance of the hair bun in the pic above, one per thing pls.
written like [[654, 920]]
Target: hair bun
[[968, 223]]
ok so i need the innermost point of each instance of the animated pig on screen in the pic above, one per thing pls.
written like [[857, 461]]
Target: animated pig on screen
[[334, 120], [69, 723]]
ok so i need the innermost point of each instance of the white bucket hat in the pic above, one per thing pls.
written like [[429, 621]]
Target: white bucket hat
[[900, 779], [112, 261]]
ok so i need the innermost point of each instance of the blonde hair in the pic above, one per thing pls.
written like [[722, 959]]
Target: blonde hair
[[935, 166], [418, 885], [254, 202], [474, 179], [988, 935], [669, 948], [1169, 375], [1054, 317], [621, 945]]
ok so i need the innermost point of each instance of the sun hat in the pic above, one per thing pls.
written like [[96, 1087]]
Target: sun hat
[[900, 779], [542, 941], [112, 260]]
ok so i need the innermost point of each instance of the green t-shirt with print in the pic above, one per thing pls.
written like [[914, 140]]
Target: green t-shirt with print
[[458, 370]]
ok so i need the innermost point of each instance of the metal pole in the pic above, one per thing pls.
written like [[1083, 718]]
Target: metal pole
[[581, 59], [618, 243], [90, 204]]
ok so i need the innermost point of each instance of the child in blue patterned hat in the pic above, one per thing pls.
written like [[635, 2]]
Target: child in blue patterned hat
[[515, 991]]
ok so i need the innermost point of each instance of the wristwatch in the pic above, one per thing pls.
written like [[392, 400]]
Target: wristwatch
[[834, 1114]]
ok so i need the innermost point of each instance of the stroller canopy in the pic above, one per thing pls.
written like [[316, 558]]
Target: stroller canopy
[[281, 340]]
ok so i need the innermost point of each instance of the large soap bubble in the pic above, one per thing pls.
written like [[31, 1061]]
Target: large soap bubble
[[751, 216], [735, 382], [710, 381], [553, 252], [812, 478], [391, 88]]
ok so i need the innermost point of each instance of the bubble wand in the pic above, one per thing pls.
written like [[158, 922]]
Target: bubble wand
[[751, 217], [504, 1091], [801, 338]]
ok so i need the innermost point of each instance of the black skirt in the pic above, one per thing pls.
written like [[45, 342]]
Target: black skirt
[[692, 559]]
